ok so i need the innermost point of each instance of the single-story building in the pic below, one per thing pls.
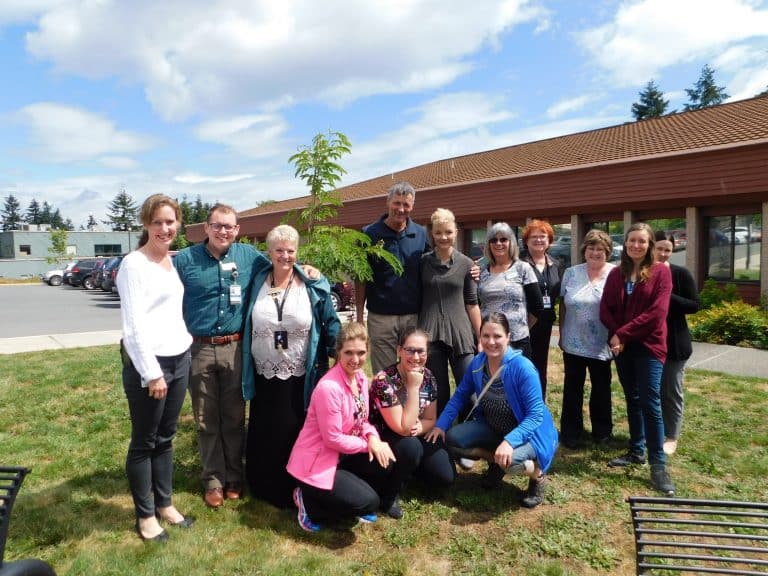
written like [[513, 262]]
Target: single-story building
[[708, 168]]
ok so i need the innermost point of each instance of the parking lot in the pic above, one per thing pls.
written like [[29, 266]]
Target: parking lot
[[37, 309]]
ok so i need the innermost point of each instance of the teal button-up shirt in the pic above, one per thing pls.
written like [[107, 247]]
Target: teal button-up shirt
[[207, 280]]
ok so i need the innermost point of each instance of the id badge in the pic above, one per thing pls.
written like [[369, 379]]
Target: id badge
[[235, 294], [281, 340], [547, 302]]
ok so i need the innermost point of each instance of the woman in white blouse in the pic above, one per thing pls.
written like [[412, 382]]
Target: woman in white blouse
[[156, 360], [290, 332]]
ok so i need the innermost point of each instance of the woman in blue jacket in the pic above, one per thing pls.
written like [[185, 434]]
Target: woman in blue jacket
[[511, 426]]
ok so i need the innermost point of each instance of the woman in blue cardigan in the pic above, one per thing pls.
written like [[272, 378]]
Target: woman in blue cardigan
[[511, 426], [290, 331]]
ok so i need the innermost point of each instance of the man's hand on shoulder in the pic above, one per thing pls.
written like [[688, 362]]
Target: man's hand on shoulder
[[311, 272]]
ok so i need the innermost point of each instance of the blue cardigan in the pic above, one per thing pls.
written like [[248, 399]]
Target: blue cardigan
[[523, 391], [325, 323]]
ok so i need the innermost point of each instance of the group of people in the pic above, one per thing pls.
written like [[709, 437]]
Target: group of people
[[235, 326]]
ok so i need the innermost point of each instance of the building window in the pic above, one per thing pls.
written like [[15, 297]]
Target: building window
[[25, 249], [733, 248], [107, 249]]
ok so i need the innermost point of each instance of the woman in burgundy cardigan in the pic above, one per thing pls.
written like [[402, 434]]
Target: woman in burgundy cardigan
[[634, 309]]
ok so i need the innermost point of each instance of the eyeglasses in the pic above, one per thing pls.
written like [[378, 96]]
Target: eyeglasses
[[217, 227], [498, 240], [413, 351]]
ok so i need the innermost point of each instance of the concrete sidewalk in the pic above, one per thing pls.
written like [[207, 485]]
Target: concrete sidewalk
[[713, 357]]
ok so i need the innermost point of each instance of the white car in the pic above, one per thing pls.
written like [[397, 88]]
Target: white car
[[55, 277], [740, 234]]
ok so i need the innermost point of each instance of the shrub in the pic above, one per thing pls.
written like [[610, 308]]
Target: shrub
[[712, 294], [734, 323]]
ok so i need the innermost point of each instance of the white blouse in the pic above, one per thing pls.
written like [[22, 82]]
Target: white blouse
[[270, 361], [151, 307]]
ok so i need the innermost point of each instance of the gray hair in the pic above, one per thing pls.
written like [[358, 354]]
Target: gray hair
[[505, 230], [282, 233], [401, 189]]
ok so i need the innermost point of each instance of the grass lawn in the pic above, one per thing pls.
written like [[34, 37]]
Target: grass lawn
[[64, 414]]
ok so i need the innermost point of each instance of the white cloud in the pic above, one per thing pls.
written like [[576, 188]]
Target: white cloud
[[748, 68], [16, 11], [569, 105], [647, 36], [64, 134], [236, 56], [253, 136], [194, 178], [118, 162]]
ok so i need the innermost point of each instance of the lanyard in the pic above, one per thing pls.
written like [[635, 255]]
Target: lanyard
[[279, 306]]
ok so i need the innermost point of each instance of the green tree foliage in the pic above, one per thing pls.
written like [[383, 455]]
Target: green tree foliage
[[764, 92], [11, 217], [45, 213], [33, 212], [91, 224], [705, 92], [57, 251], [122, 212], [651, 103], [57, 221], [340, 253]]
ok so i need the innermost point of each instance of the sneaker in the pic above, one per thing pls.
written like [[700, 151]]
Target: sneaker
[[627, 459], [466, 463], [493, 477], [367, 518], [670, 446], [393, 509], [661, 481], [535, 493], [304, 520]]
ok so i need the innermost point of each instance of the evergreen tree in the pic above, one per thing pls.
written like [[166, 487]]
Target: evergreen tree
[[33, 212], [763, 93], [651, 104], [68, 224], [705, 92], [200, 211], [11, 213], [57, 222], [45, 213], [91, 224], [122, 212]]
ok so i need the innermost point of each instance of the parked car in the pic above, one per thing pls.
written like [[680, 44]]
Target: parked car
[[56, 277], [82, 270], [680, 239], [343, 295], [740, 234], [109, 273], [93, 280]]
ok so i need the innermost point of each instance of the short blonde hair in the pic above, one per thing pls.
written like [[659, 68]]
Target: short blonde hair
[[282, 233], [442, 216]]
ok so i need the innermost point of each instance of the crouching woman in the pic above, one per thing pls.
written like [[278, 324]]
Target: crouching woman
[[510, 427]]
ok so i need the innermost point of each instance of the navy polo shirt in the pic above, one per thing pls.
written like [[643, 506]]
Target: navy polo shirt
[[389, 293]]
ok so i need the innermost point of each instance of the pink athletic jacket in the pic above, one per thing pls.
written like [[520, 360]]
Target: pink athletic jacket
[[327, 431]]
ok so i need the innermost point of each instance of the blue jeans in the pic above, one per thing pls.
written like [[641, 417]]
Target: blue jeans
[[640, 376], [462, 438]]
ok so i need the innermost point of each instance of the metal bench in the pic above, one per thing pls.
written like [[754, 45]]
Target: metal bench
[[699, 536], [11, 479]]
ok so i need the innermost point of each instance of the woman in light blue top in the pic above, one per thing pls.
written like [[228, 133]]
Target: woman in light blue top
[[584, 341]]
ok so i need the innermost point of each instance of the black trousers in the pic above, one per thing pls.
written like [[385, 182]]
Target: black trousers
[[440, 357], [275, 418], [149, 464], [541, 333], [600, 409], [352, 493], [418, 458]]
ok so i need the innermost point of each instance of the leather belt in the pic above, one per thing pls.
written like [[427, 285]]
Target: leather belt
[[218, 340]]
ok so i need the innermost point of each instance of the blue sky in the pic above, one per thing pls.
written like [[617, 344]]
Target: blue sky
[[211, 97]]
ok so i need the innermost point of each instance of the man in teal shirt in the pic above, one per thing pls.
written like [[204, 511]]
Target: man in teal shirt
[[217, 276]]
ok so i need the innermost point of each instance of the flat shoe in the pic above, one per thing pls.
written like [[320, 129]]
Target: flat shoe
[[161, 538], [186, 522]]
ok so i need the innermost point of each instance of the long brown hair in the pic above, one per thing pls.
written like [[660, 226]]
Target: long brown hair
[[627, 264]]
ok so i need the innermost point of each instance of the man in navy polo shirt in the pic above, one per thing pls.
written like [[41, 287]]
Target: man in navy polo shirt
[[393, 301]]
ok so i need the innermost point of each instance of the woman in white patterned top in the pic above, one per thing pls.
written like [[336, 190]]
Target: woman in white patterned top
[[584, 341], [290, 332]]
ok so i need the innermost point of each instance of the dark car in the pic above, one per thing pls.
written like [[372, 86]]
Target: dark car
[[109, 273], [343, 295], [82, 270], [93, 280]]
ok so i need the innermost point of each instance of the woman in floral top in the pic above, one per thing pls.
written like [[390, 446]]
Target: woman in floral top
[[404, 409]]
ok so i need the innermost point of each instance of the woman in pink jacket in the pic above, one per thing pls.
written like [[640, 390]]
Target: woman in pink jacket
[[338, 453]]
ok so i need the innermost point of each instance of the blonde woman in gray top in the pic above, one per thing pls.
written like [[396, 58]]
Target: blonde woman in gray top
[[449, 312]]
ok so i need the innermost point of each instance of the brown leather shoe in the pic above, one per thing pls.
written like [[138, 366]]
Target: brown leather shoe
[[232, 493], [214, 497]]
